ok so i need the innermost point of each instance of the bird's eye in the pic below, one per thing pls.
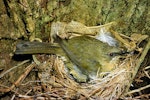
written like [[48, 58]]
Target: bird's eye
[[111, 54]]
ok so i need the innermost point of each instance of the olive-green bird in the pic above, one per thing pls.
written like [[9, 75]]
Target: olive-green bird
[[87, 53]]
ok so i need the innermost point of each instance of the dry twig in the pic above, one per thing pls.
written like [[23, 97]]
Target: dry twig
[[20, 79]]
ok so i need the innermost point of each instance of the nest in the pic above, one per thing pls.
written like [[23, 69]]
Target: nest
[[109, 87]]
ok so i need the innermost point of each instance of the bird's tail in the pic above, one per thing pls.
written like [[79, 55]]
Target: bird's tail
[[25, 47]]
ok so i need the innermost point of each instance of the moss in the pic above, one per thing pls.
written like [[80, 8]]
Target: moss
[[35, 17]]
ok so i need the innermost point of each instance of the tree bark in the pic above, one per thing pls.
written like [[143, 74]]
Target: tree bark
[[34, 17]]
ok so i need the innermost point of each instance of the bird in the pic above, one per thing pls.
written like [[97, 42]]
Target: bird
[[86, 54]]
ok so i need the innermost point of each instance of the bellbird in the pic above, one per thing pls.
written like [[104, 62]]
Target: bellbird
[[87, 54]]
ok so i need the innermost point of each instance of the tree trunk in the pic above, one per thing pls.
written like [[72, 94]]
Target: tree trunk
[[34, 17]]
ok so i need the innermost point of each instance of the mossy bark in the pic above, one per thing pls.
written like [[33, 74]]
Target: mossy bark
[[34, 17]]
